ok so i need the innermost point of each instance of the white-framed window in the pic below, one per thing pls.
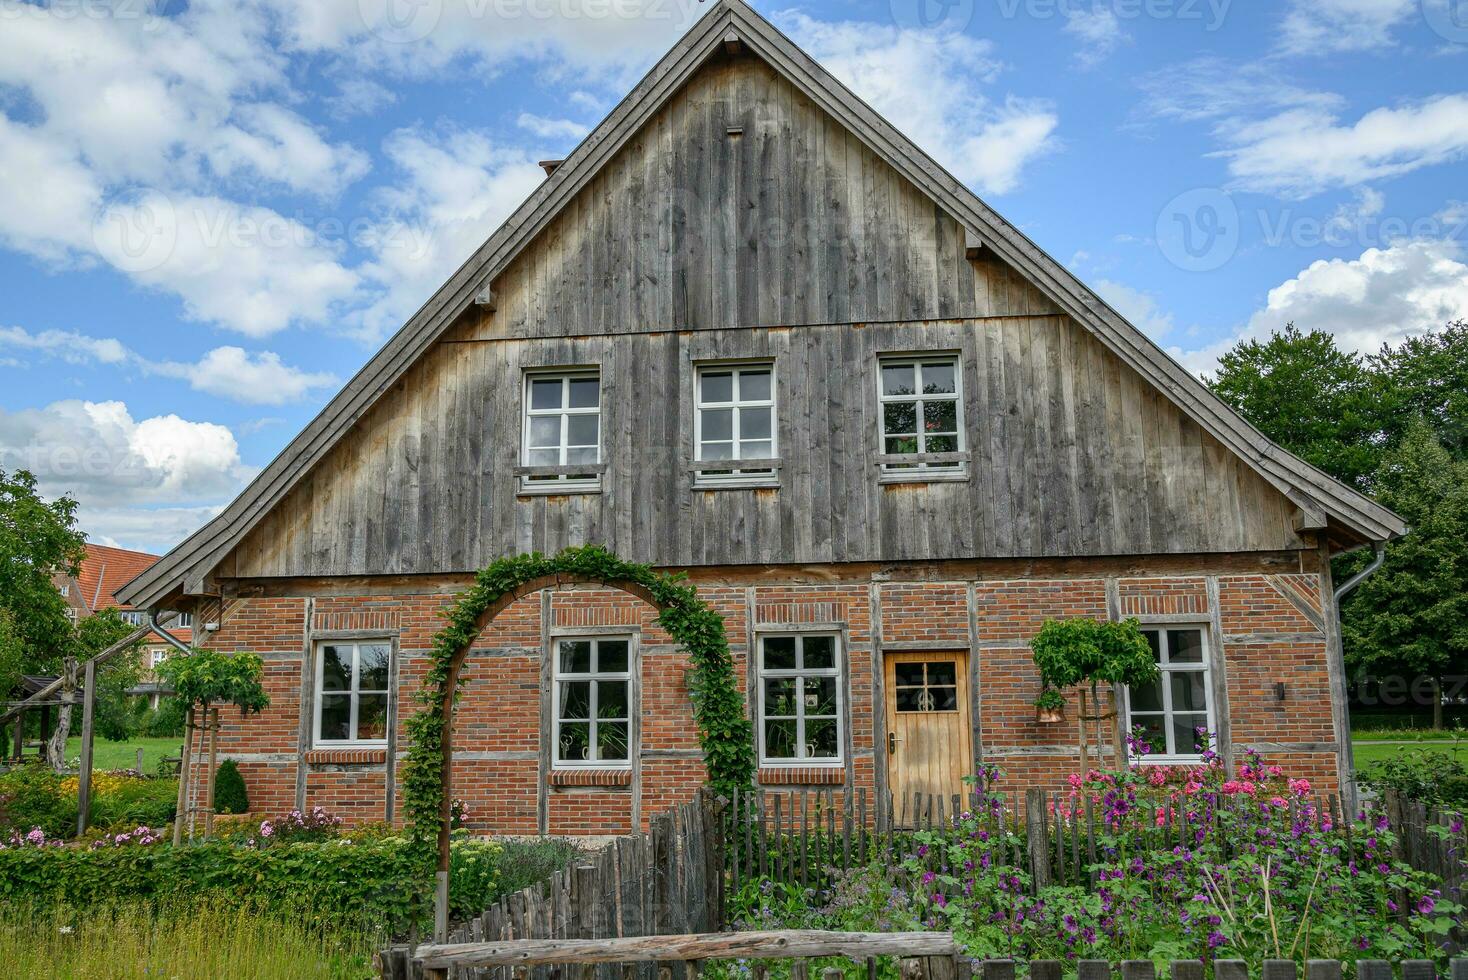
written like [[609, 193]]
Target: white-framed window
[[734, 419], [70, 613], [562, 429], [1170, 710], [181, 620], [65, 589], [801, 712], [134, 617], [157, 657], [352, 692], [592, 702], [921, 401]]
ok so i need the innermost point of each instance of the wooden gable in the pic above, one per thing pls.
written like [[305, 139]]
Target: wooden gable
[[749, 206]]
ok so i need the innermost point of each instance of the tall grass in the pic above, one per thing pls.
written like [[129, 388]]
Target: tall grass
[[200, 943]]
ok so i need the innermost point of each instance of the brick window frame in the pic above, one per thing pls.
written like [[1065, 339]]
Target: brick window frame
[[552, 732], [837, 671], [355, 691], [1159, 634]]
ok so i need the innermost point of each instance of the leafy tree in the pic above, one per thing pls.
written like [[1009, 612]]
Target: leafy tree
[[1412, 615], [113, 711], [1305, 393], [12, 652], [1427, 377], [38, 539]]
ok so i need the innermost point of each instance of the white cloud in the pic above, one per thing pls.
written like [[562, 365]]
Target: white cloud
[[1099, 32], [100, 454], [552, 128], [150, 529], [1383, 297], [1212, 88], [982, 142], [228, 372], [457, 188], [1333, 26], [1139, 308], [1305, 151], [256, 379]]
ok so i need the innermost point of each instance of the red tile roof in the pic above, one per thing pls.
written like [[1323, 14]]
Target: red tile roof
[[104, 569]]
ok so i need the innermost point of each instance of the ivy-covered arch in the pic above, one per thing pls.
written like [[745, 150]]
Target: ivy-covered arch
[[724, 730]]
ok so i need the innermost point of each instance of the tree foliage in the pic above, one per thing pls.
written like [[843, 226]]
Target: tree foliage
[[1412, 615], [38, 540], [1308, 395], [209, 677], [113, 711], [1071, 651], [1427, 378]]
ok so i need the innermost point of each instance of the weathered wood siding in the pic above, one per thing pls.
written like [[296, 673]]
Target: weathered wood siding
[[1072, 454], [792, 221], [785, 239]]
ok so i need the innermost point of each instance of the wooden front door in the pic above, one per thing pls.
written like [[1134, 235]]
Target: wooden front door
[[929, 738]]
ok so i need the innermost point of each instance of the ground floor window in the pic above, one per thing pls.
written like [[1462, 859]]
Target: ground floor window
[[1172, 709], [593, 702], [801, 712], [352, 692]]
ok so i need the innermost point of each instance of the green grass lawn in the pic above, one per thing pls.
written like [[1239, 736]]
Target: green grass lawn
[[124, 755], [1367, 753]]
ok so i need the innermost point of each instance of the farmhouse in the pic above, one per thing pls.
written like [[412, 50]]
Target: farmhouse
[[750, 332]]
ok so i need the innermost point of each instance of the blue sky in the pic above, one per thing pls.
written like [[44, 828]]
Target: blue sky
[[212, 213]]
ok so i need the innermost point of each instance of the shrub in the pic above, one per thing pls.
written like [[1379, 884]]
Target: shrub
[[336, 883], [166, 721], [33, 795], [527, 861], [1426, 777], [152, 802], [229, 789]]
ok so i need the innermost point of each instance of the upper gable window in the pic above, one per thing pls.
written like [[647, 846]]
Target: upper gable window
[[561, 447], [734, 420], [922, 416]]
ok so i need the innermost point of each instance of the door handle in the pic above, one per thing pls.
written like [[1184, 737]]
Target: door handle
[[892, 741]]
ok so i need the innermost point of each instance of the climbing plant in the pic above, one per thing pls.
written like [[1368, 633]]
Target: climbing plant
[[718, 706]]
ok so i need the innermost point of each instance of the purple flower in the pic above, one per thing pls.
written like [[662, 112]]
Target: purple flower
[[1426, 906], [1216, 939]]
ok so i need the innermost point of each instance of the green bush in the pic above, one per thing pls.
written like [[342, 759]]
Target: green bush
[[229, 789], [32, 796], [338, 883], [1434, 778], [167, 721], [135, 803], [523, 863]]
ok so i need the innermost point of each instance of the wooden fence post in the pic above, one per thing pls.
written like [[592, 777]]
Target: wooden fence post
[[1323, 970], [1038, 838], [211, 719], [84, 779], [1279, 970], [1230, 970], [183, 778]]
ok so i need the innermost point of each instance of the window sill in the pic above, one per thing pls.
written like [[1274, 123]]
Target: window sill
[[751, 484], [922, 476], [555, 490], [589, 777], [365, 756], [802, 775]]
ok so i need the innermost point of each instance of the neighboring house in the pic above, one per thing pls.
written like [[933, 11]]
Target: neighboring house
[[748, 331], [93, 589]]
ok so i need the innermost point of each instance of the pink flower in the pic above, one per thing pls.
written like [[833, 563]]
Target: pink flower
[[1075, 780], [1157, 776], [1300, 787]]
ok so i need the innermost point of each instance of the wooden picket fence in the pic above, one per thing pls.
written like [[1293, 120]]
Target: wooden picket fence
[[807, 836], [664, 882], [910, 956]]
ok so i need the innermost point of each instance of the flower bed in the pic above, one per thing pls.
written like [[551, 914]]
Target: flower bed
[[1192, 862]]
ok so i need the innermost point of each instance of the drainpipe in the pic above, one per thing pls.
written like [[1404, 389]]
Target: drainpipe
[[169, 637], [1350, 585], [1349, 791]]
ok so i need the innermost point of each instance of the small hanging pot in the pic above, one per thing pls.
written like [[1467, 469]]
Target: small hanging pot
[[1049, 716]]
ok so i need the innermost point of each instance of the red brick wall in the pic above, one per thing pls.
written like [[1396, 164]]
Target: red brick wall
[[497, 736]]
